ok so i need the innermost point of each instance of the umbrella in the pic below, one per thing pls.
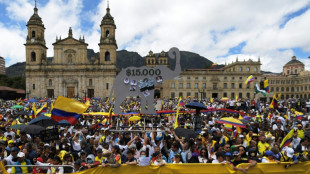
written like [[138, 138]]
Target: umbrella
[[196, 105], [32, 129], [247, 117], [231, 121], [64, 123], [33, 100], [43, 121], [186, 133], [134, 118], [18, 126], [17, 107]]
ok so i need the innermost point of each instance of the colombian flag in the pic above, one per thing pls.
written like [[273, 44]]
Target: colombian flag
[[68, 109], [249, 80], [42, 110], [181, 103], [287, 139], [274, 103]]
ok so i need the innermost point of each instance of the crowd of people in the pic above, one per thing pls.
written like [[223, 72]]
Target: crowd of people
[[94, 142]]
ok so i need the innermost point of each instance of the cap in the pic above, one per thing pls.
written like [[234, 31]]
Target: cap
[[10, 141], [83, 152], [47, 146], [268, 153], [20, 154], [299, 125], [14, 149], [254, 135], [290, 152], [241, 136], [227, 154], [132, 146], [236, 153], [177, 155]]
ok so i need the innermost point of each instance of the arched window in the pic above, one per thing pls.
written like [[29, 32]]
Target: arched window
[[107, 56], [90, 82], [248, 69], [107, 33], [282, 89], [295, 71], [33, 34], [50, 82], [277, 89], [271, 89], [33, 56], [287, 89], [69, 58], [255, 69], [240, 69], [149, 61]]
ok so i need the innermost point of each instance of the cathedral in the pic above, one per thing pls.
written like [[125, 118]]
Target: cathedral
[[72, 72]]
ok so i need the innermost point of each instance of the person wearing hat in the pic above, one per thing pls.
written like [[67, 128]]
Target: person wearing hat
[[269, 157], [288, 156], [21, 161], [300, 131], [12, 156], [228, 156]]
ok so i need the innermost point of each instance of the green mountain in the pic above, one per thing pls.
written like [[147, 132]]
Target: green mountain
[[126, 58]]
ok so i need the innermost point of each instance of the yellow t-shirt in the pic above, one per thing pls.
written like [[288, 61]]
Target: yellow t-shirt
[[262, 147], [300, 133], [101, 160], [24, 169]]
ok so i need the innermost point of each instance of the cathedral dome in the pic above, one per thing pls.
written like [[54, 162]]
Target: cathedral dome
[[35, 19], [294, 61]]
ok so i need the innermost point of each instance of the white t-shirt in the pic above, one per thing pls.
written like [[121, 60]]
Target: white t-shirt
[[76, 146], [157, 163]]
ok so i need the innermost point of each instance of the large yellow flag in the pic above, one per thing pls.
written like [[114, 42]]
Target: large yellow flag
[[176, 122], [34, 111]]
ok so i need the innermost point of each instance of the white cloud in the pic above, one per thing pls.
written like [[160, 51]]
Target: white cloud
[[209, 28]]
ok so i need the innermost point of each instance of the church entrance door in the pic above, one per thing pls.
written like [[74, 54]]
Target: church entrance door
[[70, 92]]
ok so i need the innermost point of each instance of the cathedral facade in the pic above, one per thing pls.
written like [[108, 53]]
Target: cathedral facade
[[71, 72]]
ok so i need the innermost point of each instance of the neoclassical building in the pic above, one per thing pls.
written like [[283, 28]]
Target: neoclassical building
[[71, 71], [293, 82], [216, 83]]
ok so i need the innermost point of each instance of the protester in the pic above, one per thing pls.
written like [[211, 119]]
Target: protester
[[93, 141]]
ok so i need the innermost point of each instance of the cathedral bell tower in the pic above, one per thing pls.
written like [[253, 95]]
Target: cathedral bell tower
[[107, 43], [35, 41]]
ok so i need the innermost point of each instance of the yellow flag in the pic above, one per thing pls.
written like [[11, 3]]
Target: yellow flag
[[52, 107], [176, 122], [34, 111]]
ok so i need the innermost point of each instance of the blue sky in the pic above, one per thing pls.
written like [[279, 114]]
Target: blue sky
[[218, 30]]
